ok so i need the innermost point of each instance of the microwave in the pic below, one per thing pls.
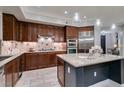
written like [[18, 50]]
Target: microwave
[[71, 43]]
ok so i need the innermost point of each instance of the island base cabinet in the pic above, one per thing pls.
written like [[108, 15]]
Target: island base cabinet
[[85, 76], [60, 72], [88, 75]]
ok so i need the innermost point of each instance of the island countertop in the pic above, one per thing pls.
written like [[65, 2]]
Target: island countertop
[[83, 59]]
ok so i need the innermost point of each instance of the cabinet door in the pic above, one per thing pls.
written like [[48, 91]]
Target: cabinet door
[[31, 61], [41, 30], [52, 59], [59, 35], [8, 74], [17, 31], [32, 29], [71, 32], [56, 36], [60, 71], [9, 27], [22, 60], [23, 29], [43, 59], [50, 31], [15, 64], [62, 36]]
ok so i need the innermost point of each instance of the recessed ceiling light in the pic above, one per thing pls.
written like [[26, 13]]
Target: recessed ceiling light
[[84, 17], [98, 22], [76, 16], [66, 12], [113, 26]]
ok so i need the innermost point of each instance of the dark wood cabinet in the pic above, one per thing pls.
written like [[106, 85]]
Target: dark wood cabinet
[[9, 27], [31, 61], [8, 69], [60, 71], [28, 32], [23, 31], [52, 59], [43, 60], [22, 63], [59, 35], [71, 32], [42, 30], [86, 28], [11, 70], [32, 32], [15, 70]]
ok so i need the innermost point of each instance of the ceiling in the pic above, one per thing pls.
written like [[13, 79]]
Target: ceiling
[[55, 14]]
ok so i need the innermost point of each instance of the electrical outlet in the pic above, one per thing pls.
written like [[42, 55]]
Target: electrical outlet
[[69, 70], [95, 74]]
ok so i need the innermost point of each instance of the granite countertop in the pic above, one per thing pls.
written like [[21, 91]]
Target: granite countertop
[[12, 57], [47, 51], [81, 59]]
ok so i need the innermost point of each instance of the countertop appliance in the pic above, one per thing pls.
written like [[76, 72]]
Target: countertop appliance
[[71, 46], [86, 41]]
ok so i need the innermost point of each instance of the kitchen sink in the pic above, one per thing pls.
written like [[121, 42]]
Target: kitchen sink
[[4, 57]]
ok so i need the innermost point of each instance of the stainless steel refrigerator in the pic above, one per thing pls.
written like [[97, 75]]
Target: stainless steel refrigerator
[[86, 41]]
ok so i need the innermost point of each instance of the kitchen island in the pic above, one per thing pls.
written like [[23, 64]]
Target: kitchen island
[[82, 70]]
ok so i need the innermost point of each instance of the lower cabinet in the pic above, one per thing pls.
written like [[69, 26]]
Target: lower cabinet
[[31, 61], [15, 70], [41, 60], [8, 69], [52, 59], [60, 72], [11, 73]]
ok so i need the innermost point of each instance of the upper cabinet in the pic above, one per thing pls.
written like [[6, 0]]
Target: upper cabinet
[[45, 30], [59, 34], [32, 32], [28, 32], [71, 32], [87, 28], [23, 32], [9, 27]]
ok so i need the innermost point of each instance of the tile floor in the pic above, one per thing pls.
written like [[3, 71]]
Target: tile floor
[[48, 78], [39, 78]]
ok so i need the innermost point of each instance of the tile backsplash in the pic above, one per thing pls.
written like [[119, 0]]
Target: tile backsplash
[[14, 47]]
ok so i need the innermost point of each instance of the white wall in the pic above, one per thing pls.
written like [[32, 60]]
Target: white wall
[[1, 26], [110, 37], [122, 40], [97, 30]]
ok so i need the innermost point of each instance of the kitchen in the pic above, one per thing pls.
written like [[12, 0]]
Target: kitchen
[[55, 47]]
